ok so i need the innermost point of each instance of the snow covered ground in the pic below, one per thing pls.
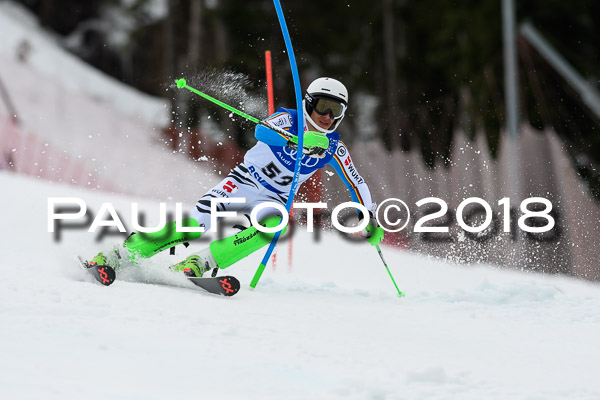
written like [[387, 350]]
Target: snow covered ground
[[331, 328]]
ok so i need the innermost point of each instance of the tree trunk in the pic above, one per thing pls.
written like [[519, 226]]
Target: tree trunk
[[195, 35], [391, 87]]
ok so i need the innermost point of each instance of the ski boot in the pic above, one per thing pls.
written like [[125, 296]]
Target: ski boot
[[197, 264], [112, 258], [100, 259]]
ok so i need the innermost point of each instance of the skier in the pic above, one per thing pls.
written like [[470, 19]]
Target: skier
[[265, 175]]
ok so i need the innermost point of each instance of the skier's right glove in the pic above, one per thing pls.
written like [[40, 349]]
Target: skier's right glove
[[374, 233], [315, 144]]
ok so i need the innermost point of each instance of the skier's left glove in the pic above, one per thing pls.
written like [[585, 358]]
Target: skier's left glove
[[374, 233]]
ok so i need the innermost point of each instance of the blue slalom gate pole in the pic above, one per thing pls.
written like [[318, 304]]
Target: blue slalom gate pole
[[300, 124]]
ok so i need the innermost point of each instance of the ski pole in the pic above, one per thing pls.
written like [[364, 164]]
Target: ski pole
[[400, 294], [182, 84]]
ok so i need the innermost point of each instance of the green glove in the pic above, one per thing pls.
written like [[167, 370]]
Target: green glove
[[374, 233], [314, 142]]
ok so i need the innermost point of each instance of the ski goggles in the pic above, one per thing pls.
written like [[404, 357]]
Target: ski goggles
[[325, 105]]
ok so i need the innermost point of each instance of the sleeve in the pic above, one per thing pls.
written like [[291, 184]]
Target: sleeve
[[343, 165], [281, 120]]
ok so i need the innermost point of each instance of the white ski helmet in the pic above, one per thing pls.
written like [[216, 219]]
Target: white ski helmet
[[325, 95]]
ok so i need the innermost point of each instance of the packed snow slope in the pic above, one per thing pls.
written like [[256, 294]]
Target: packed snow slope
[[331, 328]]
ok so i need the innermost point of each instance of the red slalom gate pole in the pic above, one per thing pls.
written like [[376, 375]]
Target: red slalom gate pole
[[270, 101], [269, 81]]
